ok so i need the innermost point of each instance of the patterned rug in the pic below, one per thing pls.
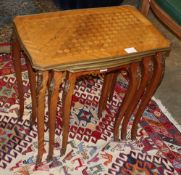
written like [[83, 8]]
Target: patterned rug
[[91, 149]]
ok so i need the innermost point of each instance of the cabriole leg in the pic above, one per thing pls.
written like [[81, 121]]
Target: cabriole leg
[[16, 56], [159, 65], [131, 105], [41, 90], [57, 80], [147, 68], [32, 81], [104, 93], [68, 90], [128, 97]]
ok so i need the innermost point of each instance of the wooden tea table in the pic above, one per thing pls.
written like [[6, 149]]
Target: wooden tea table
[[88, 41]]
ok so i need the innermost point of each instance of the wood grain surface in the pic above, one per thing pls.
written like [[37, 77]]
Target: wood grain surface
[[69, 38]]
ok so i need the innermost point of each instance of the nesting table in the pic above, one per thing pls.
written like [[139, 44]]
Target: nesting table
[[90, 41]]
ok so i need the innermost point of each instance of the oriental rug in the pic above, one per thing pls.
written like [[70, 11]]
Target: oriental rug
[[91, 149]]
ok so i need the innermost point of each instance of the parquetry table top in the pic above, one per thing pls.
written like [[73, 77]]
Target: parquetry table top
[[83, 37]]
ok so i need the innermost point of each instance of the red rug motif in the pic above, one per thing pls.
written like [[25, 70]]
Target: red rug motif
[[91, 149]]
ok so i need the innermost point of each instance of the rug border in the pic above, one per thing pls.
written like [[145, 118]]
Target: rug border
[[167, 114]]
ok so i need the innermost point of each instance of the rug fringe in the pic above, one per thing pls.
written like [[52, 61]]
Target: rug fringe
[[165, 111]]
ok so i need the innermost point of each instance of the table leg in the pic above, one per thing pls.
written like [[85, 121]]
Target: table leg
[[150, 90], [146, 72], [133, 73], [63, 98], [41, 90], [16, 56], [49, 84], [32, 81], [113, 84], [68, 90], [104, 93], [57, 80], [145, 6]]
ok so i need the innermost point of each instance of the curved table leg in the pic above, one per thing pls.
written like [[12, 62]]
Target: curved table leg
[[145, 6], [150, 90], [68, 90], [32, 81], [49, 84], [128, 97], [104, 93], [64, 95], [146, 63], [113, 84], [57, 80], [16, 55], [41, 90], [114, 80]]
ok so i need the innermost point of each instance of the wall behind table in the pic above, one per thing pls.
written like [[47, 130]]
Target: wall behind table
[[75, 4]]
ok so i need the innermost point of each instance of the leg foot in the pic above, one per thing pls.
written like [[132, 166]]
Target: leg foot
[[38, 160], [62, 152], [49, 158]]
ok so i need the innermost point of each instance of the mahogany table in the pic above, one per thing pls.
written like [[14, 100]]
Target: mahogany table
[[90, 41]]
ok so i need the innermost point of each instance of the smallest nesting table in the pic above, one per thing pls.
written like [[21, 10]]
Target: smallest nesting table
[[80, 42]]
